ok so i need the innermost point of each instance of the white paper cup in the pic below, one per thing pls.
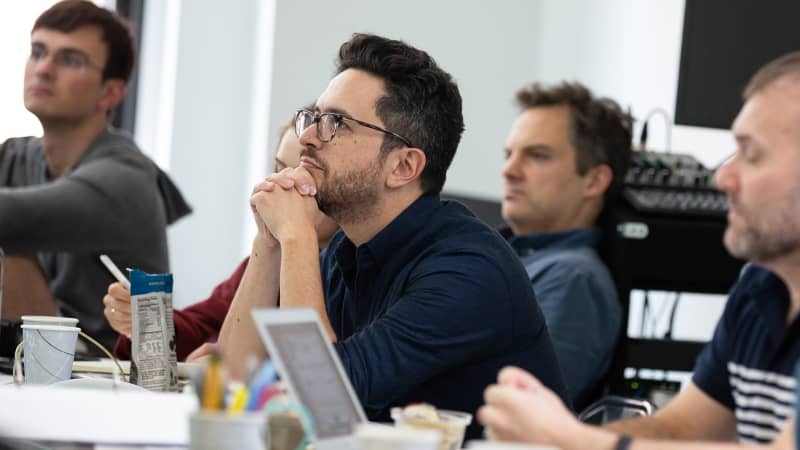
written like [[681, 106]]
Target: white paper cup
[[372, 436], [50, 320], [218, 430], [49, 351], [452, 424]]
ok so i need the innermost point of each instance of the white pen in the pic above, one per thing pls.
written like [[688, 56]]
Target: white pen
[[115, 271]]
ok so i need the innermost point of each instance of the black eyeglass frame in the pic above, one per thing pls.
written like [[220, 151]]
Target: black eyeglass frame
[[317, 117]]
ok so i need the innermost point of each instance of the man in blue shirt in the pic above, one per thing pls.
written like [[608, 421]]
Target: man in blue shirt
[[424, 303], [566, 153], [743, 385]]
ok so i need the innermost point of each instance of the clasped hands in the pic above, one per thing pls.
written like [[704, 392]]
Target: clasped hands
[[284, 206]]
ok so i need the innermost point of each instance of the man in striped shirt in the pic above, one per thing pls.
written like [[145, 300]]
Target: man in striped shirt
[[743, 385]]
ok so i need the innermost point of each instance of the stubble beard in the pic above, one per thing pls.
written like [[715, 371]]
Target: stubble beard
[[350, 197], [767, 238]]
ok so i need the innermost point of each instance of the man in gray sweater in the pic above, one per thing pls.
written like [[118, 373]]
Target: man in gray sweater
[[83, 188]]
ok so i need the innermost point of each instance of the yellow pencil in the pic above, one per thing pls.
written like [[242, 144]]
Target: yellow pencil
[[239, 399], [213, 384]]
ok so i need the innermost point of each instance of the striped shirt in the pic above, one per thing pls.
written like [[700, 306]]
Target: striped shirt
[[764, 400], [749, 364]]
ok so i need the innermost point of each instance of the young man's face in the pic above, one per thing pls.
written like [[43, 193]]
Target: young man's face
[[63, 76], [762, 179], [542, 189], [348, 170]]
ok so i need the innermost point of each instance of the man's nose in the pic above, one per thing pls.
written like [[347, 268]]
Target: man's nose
[[44, 66], [309, 138], [511, 167], [725, 178]]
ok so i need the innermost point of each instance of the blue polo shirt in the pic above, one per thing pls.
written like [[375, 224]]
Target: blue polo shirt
[[748, 365], [430, 309], [579, 302]]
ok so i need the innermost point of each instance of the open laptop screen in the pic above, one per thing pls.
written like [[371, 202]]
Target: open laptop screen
[[307, 359]]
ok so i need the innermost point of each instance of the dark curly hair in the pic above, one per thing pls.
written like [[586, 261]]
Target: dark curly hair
[[600, 131], [422, 101], [69, 15]]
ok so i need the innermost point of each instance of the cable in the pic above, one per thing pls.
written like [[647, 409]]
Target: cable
[[104, 350], [643, 138], [645, 308], [657, 319], [16, 369], [667, 129], [671, 325]]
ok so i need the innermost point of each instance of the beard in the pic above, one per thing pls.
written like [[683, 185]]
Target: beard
[[350, 196], [766, 236]]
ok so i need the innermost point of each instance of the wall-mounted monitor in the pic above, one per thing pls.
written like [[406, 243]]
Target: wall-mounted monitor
[[724, 43]]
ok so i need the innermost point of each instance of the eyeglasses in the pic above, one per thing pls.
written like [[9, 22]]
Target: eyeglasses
[[66, 58], [328, 123]]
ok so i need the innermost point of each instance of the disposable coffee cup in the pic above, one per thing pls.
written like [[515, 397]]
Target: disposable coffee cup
[[452, 425], [372, 436], [49, 351], [50, 320], [220, 430]]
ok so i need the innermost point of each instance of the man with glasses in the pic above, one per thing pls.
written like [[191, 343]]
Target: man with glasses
[[83, 188], [422, 301]]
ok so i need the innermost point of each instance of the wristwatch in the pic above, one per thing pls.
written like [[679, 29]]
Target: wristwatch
[[623, 443]]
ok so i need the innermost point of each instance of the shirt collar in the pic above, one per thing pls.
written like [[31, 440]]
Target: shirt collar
[[579, 237], [401, 231], [394, 236], [98, 140]]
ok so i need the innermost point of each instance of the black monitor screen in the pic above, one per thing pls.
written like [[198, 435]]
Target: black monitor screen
[[724, 43]]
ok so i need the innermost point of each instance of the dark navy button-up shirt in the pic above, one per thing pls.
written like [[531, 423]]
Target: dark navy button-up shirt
[[430, 309], [749, 364], [579, 302]]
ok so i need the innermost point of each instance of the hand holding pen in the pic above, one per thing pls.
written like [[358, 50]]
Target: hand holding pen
[[117, 300]]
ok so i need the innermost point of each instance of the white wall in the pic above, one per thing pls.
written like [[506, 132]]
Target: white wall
[[625, 49], [208, 56], [16, 21], [485, 45]]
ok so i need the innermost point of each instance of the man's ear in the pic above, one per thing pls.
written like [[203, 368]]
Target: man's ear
[[113, 92], [597, 180], [405, 166]]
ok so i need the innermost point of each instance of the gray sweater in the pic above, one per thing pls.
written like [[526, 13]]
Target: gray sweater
[[115, 201]]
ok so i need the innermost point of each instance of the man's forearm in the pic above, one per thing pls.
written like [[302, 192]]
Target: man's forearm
[[258, 289], [644, 427], [301, 280], [591, 437]]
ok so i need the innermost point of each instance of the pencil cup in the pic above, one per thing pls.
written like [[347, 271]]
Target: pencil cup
[[49, 351], [219, 430]]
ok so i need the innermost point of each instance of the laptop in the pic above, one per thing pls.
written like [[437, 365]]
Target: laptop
[[310, 368]]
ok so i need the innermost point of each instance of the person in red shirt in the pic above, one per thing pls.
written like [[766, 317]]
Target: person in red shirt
[[200, 323]]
